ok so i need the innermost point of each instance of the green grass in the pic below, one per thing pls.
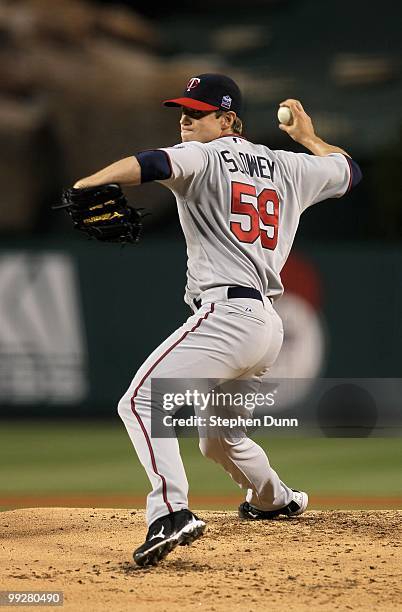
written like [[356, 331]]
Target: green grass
[[96, 458]]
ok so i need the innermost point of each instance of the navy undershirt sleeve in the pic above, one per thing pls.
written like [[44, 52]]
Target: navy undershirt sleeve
[[355, 173], [155, 165]]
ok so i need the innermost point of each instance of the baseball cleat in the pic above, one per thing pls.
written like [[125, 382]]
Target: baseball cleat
[[177, 528], [297, 506]]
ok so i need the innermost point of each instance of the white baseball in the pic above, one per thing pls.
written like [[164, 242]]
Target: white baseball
[[285, 115]]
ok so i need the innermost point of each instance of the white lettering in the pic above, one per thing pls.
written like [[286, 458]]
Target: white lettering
[[270, 421]]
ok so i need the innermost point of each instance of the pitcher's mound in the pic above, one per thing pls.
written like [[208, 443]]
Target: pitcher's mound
[[321, 560]]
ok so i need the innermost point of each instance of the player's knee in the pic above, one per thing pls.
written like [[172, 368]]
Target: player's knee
[[123, 407], [211, 448]]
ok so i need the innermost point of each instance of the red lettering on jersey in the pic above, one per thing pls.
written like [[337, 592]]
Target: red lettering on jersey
[[244, 208], [268, 207], [266, 213]]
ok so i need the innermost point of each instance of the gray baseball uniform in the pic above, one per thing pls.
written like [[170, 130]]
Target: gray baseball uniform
[[232, 195], [239, 205]]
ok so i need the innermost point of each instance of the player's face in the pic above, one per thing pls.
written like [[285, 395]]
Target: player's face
[[201, 126]]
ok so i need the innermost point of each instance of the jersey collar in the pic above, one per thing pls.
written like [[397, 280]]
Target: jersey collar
[[232, 135]]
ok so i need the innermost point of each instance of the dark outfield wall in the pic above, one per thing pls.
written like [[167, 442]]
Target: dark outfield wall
[[85, 315]]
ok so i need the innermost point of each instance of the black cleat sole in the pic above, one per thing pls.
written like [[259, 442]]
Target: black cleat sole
[[161, 550]]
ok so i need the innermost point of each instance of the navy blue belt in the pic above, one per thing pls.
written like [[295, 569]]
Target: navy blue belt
[[238, 292]]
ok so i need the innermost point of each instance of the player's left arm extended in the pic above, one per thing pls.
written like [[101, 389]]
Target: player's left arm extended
[[143, 167], [98, 205], [125, 172]]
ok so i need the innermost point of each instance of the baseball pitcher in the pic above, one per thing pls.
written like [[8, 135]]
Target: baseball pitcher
[[239, 205]]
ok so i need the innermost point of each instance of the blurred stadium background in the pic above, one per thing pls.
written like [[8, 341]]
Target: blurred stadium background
[[81, 85]]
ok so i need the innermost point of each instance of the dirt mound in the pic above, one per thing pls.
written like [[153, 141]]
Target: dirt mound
[[322, 560]]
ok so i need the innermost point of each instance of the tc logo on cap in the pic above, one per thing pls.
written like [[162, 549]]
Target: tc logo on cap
[[226, 102], [194, 82]]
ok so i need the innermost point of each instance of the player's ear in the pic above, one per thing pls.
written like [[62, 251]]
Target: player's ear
[[228, 119]]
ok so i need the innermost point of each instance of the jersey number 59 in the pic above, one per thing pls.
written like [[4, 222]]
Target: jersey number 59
[[263, 218]]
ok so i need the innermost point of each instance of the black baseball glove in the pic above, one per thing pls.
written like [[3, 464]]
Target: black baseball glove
[[103, 213]]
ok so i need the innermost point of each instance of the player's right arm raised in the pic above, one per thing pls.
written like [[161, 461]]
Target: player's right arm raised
[[329, 173], [302, 131]]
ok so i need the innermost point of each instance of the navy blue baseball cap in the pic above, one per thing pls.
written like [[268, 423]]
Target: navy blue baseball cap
[[210, 92]]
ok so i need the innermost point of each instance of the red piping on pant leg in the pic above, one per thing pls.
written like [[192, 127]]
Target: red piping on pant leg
[[144, 431]]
